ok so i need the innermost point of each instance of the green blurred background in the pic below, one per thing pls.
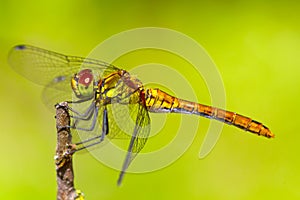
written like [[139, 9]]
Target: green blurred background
[[255, 45]]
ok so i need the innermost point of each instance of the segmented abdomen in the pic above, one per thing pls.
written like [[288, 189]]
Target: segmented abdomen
[[159, 101]]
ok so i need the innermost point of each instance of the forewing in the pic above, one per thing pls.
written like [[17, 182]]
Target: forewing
[[53, 70], [43, 67]]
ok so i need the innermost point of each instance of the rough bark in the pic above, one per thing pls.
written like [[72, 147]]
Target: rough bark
[[63, 160]]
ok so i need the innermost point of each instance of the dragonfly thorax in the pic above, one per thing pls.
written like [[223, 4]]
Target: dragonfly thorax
[[83, 83]]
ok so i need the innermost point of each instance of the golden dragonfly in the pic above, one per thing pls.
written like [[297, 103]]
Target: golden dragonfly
[[101, 85]]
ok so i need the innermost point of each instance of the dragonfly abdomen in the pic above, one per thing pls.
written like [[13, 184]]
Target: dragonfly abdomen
[[159, 101]]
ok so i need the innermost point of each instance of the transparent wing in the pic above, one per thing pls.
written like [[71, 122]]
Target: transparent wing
[[61, 92], [138, 139], [53, 70], [122, 122], [140, 133], [43, 67]]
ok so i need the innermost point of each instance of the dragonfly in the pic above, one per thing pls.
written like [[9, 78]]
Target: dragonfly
[[103, 96]]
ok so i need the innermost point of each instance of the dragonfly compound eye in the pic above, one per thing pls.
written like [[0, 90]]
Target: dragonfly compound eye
[[85, 77], [85, 83]]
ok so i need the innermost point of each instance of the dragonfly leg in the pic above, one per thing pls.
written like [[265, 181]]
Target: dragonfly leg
[[105, 131], [87, 115], [83, 116], [80, 100], [94, 120], [105, 128]]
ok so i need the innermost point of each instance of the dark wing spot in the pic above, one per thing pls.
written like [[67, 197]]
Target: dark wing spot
[[20, 47], [59, 79]]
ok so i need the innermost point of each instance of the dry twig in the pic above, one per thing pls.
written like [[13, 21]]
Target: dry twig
[[63, 160]]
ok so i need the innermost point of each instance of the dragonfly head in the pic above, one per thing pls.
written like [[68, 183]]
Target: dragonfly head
[[83, 83]]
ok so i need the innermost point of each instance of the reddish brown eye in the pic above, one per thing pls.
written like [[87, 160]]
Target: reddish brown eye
[[85, 77]]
